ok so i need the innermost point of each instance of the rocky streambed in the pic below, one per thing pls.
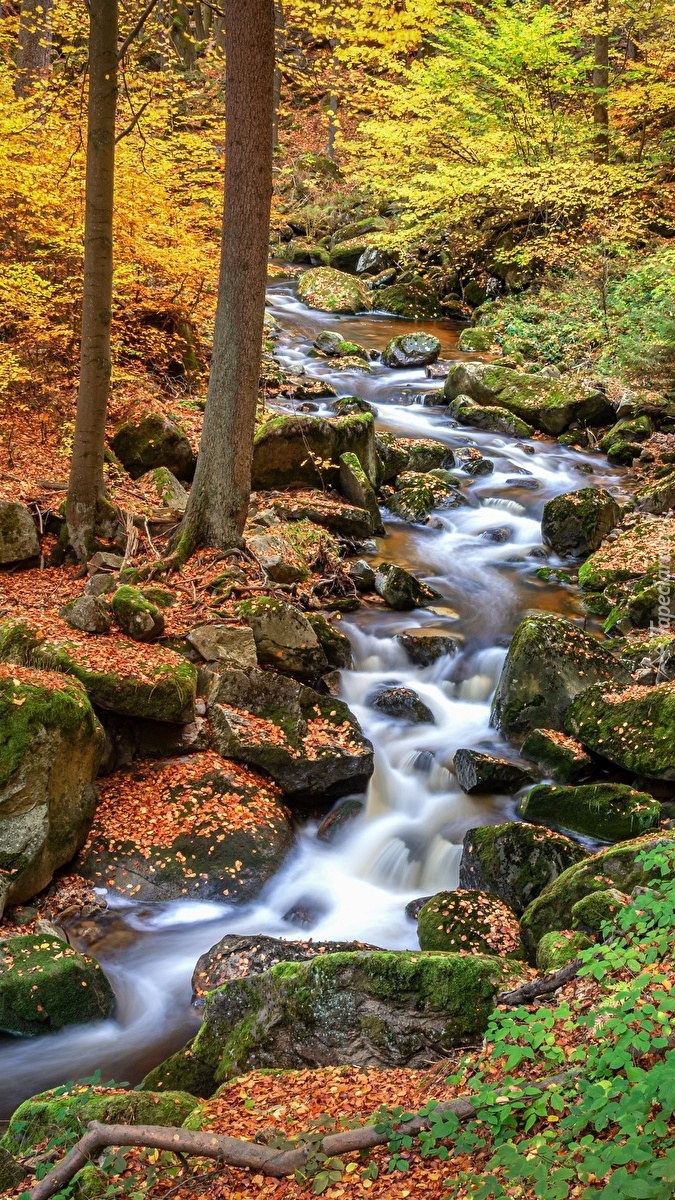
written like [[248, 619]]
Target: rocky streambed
[[409, 679]]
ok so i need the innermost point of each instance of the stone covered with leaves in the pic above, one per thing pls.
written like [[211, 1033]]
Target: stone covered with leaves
[[632, 726], [45, 985], [576, 523], [468, 920]]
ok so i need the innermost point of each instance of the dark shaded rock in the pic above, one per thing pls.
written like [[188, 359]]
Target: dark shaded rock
[[338, 820], [470, 921], [480, 774], [45, 985], [393, 454], [89, 613], [560, 756], [515, 861], [576, 523], [401, 703], [414, 907], [470, 459], [237, 956], [411, 350], [18, 535], [335, 644], [610, 812], [401, 590], [415, 299], [154, 441], [306, 450], [423, 649], [363, 575]]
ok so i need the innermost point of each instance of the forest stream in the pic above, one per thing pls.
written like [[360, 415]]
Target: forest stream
[[407, 841]]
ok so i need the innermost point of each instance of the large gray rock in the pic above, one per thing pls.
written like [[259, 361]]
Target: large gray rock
[[277, 557], [306, 450], [18, 535], [576, 523], [423, 649], [401, 590], [402, 704], [550, 661], [548, 404], [411, 350], [235, 957], [154, 441], [284, 637], [483, 774], [515, 861], [231, 645], [310, 744], [89, 613], [52, 744]]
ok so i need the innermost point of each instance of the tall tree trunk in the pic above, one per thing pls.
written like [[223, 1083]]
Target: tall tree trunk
[[35, 44], [218, 503], [86, 485], [280, 43], [600, 88]]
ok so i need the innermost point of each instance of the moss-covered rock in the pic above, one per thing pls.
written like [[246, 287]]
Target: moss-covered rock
[[615, 867], [483, 774], [137, 615], [169, 489], [401, 590], [634, 430], [356, 486], [294, 450], [335, 644], [333, 344], [345, 256], [277, 557], [558, 948], [657, 497], [576, 523], [476, 340], [50, 749], [45, 985], [284, 636], [153, 683], [55, 1113], [563, 758], [393, 454], [235, 957], [515, 861], [413, 300], [550, 660], [591, 913], [640, 548], [489, 418], [473, 921], [212, 830], [18, 535], [310, 744], [548, 404], [381, 1009], [411, 350], [633, 726], [417, 495], [333, 291], [610, 812], [151, 442]]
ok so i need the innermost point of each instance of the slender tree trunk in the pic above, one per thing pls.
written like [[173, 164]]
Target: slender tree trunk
[[218, 503], [600, 89], [279, 42], [35, 44], [86, 486]]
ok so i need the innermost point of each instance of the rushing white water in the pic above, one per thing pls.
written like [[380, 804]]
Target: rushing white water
[[407, 841]]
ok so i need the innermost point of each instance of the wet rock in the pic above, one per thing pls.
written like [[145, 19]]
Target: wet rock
[[335, 644], [46, 985], [550, 661], [136, 615], [277, 558], [632, 726], [411, 350], [560, 756], [363, 575], [423, 649], [610, 812], [339, 819], [238, 956], [344, 406], [18, 535], [232, 645], [393, 455], [414, 907], [169, 489], [489, 419], [331, 290], [292, 450], [378, 1009], [481, 774], [355, 485], [618, 866], [549, 405], [418, 495], [331, 683], [401, 703], [576, 523], [475, 922], [151, 442], [89, 613], [157, 684], [214, 830], [305, 914], [401, 590], [284, 637], [52, 745], [425, 454], [558, 948], [515, 861], [310, 744]]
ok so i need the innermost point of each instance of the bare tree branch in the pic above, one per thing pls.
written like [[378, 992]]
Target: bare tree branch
[[136, 30], [542, 986], [132, 124]]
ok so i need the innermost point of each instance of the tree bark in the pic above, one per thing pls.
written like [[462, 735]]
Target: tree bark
[[86, 487], [218, 503], [600, 88], [35, 44], [280, 40]]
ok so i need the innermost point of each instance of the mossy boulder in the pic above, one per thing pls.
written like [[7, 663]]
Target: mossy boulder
[[335, 644], [45, 985], [136, 615], [632, 726], [598, 908], [170, 490], [210, 830], [550, 660], [356, 486], [515, 861], [61, 1111], [563, 758], [295, 450], [411, 350], [346, 254], [413, 300], [417, 495], [285, 638], [610, 812], [639, 549], [149, 682], [483, 774], [154, 441], [576, 523], [425, 454], [657, 497], [558, 948], [18, 535], [476, 341], [616, 866], [277, 557], [380, 1009], [333, 344], [472, 921], [50, 749], [323, 510], [489, 418], [393, 454], [550, 405], [401, 590], [330, 290], [634, 431], [235, 957], [310, 744]]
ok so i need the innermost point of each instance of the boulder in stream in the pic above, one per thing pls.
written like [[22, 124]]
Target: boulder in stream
[[402, 704], [468, 921], [575, 524], [411, 350], [516, 861], [423, 649], [401, 590], [548, 404], [45, 985], [633, 726], [610, 812], [237, 956], [483, 774], [562, 758], [417, 496], [334, 291]]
